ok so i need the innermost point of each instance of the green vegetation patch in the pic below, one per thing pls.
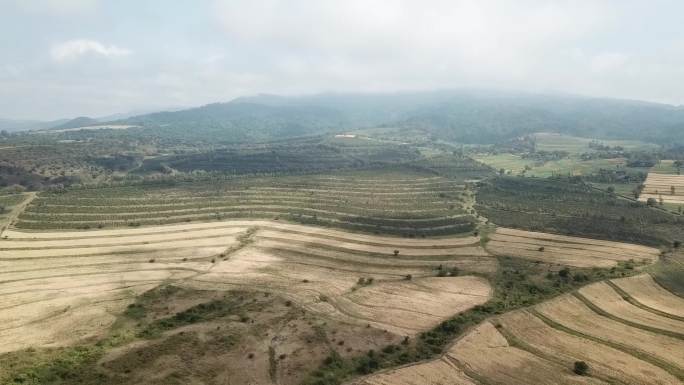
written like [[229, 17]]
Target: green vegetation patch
[[569, 206]]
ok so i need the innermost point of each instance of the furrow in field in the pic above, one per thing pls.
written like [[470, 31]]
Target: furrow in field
[[486, 352], [603, 297], [603, 360], [318, 232], [400, 216], [570, 312], [572, 251], [648, 292]]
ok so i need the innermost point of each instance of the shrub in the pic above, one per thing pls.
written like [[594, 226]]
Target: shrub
[[581, 368]]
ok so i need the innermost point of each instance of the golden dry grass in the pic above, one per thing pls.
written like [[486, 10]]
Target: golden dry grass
[[566, 250], [50, 280]]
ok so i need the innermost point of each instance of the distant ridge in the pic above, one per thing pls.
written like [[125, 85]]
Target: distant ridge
[[82, 121]]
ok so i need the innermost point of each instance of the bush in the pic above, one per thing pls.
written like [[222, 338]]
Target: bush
[[581, 368]]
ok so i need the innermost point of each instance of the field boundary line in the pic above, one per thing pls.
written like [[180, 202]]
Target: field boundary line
[[587, 302], [637, 353], [627, 297], [665, 287], [516, 342]]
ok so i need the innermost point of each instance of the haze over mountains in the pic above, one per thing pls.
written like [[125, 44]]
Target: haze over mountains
[[459, 116]]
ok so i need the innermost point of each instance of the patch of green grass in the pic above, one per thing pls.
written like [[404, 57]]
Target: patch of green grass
[[201, 313], [666, 166]]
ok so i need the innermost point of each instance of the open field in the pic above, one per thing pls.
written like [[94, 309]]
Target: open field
[[647, 292], [485, 352], [58, 278], [604, 299], [546, 141], [566, 250], [571, 313], [424, 205], [668, 187], [665, 166], [540, 345]]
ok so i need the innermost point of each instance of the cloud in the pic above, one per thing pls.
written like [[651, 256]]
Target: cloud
[[61, 7], [75, 48]]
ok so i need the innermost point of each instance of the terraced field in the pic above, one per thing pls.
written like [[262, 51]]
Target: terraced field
[[77, 282], [10, 205], [668, 187], [408, 205], [621, 340], [566, 250]]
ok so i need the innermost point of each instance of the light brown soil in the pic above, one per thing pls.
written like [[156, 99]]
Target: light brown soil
[[608, 300], [603, 360], [436, 372], [564, 250], [572, 313], [645, 290], [88, 277], [486, 352], [659, 186]]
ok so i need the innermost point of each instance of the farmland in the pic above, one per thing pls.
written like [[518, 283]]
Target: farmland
[[339, 259], [565, 250], [663, 188], [569, 206], [403, 204], [597, 326], [66, 278]]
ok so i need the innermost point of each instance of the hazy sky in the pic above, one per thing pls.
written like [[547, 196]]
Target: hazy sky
[[63, 58]]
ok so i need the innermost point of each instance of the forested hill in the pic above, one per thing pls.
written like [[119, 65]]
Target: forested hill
[[467, 117]]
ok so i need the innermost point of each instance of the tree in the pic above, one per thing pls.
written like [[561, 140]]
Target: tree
[[677, 244], [610, 189], [396, 252], [581, 368], [672, 190], [651, 202]]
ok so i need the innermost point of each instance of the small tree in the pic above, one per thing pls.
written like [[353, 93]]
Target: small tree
[[677, 244], [581, 368], [396, 252], [541, 248], [651, 202]]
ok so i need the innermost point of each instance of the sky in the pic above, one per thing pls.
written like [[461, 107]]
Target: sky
[[67, 58]]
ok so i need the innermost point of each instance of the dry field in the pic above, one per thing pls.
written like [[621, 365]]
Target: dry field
[[644, 290], [622, 341], [669, 187], [51, 281], [566, 250]]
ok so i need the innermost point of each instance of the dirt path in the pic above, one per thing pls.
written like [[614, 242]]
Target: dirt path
[[17, 210]]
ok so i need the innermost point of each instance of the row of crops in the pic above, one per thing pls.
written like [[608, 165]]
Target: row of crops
[[413, 204]]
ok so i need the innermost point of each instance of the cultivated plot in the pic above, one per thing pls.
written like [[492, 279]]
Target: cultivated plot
[[566, 250], [667, 188], [87, 277]]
